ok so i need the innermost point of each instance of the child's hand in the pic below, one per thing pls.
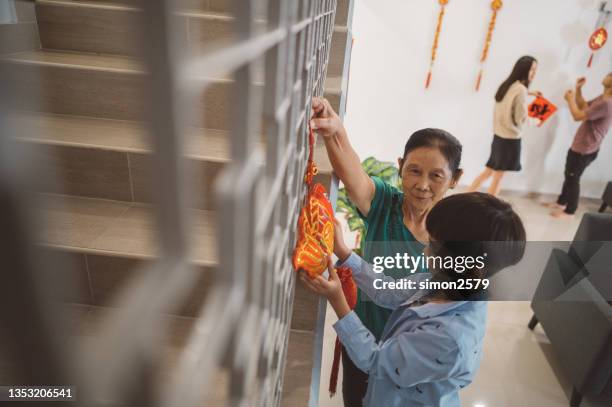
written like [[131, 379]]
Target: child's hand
[[341, 250], [330, 288]]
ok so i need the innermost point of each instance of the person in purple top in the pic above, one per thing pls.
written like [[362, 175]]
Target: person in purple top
[[596, 117]]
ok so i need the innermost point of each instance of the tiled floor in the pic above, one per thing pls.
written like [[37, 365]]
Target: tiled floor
[[519, 367]]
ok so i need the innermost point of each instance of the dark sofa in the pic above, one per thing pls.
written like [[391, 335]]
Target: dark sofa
[[573, 305]]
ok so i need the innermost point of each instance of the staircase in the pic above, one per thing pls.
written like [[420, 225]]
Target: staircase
[[82, 103]]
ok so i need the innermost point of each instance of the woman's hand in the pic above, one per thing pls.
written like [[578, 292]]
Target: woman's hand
[[330, 289], [341, 250], [324, 120], [535, 93]]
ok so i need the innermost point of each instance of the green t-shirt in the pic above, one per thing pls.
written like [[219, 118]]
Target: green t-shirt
[[385, 234]]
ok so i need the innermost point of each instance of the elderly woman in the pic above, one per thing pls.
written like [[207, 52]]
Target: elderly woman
[[428, 167]]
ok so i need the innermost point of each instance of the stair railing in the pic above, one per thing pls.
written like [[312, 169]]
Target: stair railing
[[244, 324]]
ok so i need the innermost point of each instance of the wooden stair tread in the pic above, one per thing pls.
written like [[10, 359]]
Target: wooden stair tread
[[119, 228], [115, 135], [183, 8], [113, 63], [85, 332], [117, 63], [105, 4], [118, 5], [128, 136]]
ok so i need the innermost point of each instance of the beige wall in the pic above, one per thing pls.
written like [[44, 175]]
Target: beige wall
[[23, 35], [388, 101]]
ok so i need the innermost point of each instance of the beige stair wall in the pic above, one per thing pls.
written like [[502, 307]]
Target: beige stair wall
[[23, 35]]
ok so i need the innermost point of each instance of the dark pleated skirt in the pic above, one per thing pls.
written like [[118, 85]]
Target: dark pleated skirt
[[505, 154]]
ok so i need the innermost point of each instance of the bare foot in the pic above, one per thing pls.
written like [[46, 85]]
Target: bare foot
[[561, 214], [552, 205]]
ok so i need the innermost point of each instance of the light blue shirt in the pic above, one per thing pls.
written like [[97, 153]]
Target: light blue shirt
[[426, 352]]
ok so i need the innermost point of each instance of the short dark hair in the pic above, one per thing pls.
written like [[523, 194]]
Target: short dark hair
[[471, 224], [445, 142]]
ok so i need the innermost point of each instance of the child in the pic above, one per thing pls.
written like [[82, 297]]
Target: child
[[431, 345]]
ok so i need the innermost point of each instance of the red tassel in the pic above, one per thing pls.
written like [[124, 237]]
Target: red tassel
[[349, 288], [350, 292], [478, 80], [333, 377], [428, 81], [590, 60]]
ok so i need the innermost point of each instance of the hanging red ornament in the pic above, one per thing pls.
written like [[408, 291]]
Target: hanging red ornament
[[434, 47], [596, 42], [315, 229], [600, 36], [496, 5]]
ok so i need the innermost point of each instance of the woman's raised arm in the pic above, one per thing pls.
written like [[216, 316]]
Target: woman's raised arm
[[344, 160]]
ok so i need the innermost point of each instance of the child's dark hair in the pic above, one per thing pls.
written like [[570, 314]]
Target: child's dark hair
[[445, 142], [472, 224]]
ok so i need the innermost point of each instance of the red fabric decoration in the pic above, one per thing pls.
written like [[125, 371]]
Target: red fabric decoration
[[597, 40], [349, 288], [541, 109], [315, 240], [600, 36]]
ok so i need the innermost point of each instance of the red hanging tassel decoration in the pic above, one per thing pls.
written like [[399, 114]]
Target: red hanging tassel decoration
[[434, 47], [315, 228], [478, 80], [590, 60], [350, 292]]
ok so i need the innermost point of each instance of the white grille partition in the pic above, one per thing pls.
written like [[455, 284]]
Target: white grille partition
[[243, 326]]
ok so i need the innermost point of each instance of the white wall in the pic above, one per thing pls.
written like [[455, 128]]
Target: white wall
[[387, 100]]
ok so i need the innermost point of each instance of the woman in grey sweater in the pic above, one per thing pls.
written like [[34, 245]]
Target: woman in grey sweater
[[508, 119]]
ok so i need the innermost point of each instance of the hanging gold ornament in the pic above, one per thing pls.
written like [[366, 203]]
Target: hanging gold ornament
[[434, 47], [496, 5]]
